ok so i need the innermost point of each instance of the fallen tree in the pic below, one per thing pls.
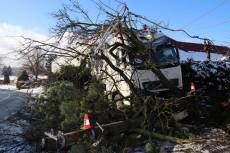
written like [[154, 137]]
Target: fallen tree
[[89, 43]]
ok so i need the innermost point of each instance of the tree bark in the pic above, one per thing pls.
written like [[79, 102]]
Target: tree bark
[[161, 137]]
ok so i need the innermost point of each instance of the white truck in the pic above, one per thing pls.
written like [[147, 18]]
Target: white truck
[[165, 56]]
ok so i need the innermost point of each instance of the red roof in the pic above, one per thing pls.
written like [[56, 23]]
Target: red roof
[[187, 46]]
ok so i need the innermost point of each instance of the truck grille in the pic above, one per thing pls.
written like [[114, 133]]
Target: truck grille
[[155, 85]]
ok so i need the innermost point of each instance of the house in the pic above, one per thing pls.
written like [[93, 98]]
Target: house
[[13, 80]]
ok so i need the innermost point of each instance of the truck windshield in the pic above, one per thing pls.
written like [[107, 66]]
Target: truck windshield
[[162, 57], [165, 56]]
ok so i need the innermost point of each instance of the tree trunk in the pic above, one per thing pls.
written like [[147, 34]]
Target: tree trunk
[[161, 137]]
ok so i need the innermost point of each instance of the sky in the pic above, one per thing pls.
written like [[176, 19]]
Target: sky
[[33, 18]]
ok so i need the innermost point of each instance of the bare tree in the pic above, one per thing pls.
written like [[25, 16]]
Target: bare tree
[[112, 41], [109, 47], [88, 40], [35, 62]]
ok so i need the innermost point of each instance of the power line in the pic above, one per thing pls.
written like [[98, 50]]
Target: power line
[[144, 18], [216, 25], [205, 13], [166, 28]]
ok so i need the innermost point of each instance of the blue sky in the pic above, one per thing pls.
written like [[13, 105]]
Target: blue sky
[[205, 18], [215, 22], [29, 14]]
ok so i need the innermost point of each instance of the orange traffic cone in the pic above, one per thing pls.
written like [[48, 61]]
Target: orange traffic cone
[[193, 88], [86, 124]]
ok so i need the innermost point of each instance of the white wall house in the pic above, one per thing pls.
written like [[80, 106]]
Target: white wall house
[[59, 61]]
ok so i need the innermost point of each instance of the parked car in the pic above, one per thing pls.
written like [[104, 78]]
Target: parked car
[[23, 85]]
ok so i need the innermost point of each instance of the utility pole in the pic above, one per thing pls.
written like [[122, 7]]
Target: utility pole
[[207, 48]]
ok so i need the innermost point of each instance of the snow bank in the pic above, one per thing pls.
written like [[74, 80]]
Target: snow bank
[[33, 91], [7, 87]]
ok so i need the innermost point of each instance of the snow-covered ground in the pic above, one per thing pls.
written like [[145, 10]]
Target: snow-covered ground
[[11, 135], [12, 128], [7, 87], [210, 140], [32, 91]]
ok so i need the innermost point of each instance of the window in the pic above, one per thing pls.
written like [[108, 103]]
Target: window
[[166, 56]]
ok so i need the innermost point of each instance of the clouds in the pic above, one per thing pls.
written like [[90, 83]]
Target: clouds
[[10, 41]]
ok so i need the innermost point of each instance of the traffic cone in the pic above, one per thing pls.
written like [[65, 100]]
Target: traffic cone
[[193, 88], [86, 124]]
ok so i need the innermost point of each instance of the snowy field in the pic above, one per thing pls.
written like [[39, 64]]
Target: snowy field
[[32, 91], [7, 87]]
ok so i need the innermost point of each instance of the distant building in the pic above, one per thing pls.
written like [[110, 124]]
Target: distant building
[[60, 61], [13, 80]]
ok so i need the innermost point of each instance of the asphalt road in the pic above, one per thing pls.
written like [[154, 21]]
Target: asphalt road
[[10, 102]]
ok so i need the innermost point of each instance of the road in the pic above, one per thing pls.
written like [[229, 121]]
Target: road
[[12, 129], [10, 102]]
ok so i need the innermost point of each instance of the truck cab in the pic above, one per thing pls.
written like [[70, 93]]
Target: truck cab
[[162, 54], [166, 58]]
